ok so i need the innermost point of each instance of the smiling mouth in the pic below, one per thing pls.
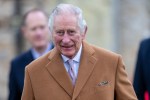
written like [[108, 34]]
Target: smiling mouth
[[67, 47]]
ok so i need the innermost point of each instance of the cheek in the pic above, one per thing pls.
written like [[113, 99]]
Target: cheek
[[78, 39], [47, 35], [56, 39], [31, 36]]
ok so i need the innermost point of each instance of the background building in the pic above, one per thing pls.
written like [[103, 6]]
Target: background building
[[117, 25]]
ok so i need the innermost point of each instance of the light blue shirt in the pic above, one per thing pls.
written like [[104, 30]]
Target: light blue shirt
[[37, 55], [76, 61]]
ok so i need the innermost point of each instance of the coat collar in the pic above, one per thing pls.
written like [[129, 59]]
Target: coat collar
[[86, 67], [57, 70]]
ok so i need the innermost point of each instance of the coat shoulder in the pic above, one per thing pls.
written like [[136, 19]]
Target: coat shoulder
[[39, 63], [104, 52], [145, 43], [22, 57]]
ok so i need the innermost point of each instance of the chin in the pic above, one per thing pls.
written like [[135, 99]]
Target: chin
[[68, 55], [39, 45]]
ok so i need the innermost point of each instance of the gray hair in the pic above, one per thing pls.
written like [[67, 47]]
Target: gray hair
[[68, 8]]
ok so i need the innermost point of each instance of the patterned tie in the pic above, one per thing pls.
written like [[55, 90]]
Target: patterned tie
[[71, 71]]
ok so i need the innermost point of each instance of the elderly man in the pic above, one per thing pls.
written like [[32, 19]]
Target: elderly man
[[74, 69], [35, 30]]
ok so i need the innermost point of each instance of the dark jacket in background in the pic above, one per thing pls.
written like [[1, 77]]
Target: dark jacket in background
[[142, 72], [16, 76], [17, 71]]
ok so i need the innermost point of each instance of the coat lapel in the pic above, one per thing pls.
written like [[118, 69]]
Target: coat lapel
[[85, 69], [57, 70]]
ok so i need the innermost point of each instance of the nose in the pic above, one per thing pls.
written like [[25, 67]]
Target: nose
[[39, 31], [66, 38]]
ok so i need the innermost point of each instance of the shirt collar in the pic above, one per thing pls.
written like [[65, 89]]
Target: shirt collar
[[76, 58], [37, 55]]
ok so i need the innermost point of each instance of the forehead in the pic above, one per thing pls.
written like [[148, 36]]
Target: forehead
[[65, 20], [35, 18]]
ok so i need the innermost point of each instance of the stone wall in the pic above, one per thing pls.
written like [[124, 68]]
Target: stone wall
[[6, 45], [131, 22]]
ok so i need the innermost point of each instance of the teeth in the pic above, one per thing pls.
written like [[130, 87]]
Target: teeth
[[67, 46]]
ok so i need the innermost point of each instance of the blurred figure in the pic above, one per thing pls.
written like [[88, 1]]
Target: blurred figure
[[36, 32], [75, 69], [142, 72]]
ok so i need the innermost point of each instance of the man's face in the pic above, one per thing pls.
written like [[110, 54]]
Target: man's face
[[36, 29], [67, 35]]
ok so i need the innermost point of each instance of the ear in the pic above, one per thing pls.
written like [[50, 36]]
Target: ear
[[84, 33], [85, 30]]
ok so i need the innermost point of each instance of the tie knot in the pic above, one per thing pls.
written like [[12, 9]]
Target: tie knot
[[70, 61]]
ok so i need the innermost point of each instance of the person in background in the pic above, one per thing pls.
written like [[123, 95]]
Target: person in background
[[141, 80], [36, 32], [75, 69]]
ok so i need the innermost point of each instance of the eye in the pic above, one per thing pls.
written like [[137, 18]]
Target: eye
[[33, 28], [42, 27], [60, 33], [71, 32]]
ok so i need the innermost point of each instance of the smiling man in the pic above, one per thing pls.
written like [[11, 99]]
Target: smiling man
[[75, 69]]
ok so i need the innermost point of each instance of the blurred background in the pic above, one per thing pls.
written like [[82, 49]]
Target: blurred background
[[117, 25]]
